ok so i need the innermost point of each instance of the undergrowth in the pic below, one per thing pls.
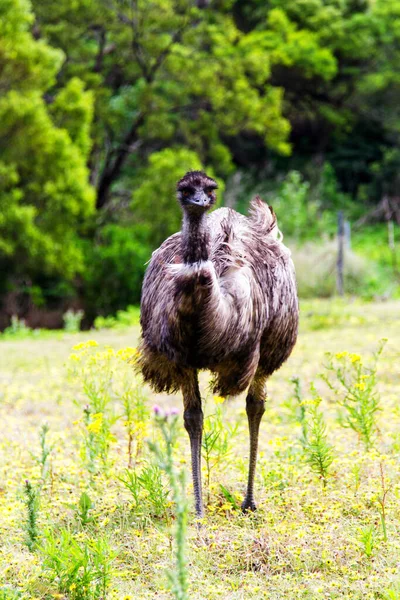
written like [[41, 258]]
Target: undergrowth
[[97, 502]]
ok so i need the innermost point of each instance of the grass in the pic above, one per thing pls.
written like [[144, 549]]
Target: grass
[[95, 537]]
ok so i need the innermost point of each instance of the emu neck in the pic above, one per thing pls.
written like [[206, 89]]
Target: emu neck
[[195, 238]]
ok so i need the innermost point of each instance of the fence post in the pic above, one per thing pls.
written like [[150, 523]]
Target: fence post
[[392, 245], [340, 256]]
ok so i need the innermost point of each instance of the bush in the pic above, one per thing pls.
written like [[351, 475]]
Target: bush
[[115, 267], [72, 320], [123, 318], [300, 215]]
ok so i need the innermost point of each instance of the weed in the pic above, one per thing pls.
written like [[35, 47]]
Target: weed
[[300, 409], [31, 495], [392, 594], [45, 451], [106, 379], [356, 471], [132, 483], [229, 497], [318, 452], [150, 480], [367, 539], [356, 392], [382, 501], [168, 424], [7, 593], [217, 435], [136, 415], [123, 319], [81, 569], [85, 505], [306, 541]]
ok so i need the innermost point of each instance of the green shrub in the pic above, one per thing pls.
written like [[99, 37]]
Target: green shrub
[[115, 267], [72, 320], [123, 319]]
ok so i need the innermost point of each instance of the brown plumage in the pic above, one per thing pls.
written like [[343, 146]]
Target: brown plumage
[[219, 295]]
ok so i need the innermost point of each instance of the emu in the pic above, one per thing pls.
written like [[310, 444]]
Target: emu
[[218, 295]]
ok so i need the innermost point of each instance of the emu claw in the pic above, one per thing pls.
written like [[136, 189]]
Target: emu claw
[[248, 505]]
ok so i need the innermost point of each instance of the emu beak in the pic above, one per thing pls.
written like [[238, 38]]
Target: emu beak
[[199, 199]]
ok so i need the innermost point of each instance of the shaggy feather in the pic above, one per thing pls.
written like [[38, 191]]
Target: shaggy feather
[[232, 308]]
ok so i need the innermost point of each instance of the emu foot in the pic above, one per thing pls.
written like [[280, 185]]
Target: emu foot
[[248, 505]]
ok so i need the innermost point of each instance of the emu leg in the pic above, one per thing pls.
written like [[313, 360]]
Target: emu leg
[[193, 419], [255, 409]]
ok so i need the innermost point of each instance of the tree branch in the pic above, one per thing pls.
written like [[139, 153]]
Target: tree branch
[[115, 161], [116, 158]]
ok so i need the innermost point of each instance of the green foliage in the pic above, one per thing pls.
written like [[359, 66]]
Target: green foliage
[[105, 105], [31, 500], [72, 110], [81, 569], [123, 319], [7, 593], [72, 320], [216, 446], [168, 424], [300, 409], [115, 265], [148, 489], [85, 505], [45, 452], [330, 314], [44, 190], [319, 454], [313, 533], [393, 593], [17, 328], [298, 215], [354, 385], [136, 414], [367, 538], [372, 241]]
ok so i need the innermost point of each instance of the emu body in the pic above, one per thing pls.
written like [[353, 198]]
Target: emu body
[[219, 295]]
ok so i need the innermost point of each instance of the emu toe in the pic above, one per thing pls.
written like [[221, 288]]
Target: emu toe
[[248, 505]]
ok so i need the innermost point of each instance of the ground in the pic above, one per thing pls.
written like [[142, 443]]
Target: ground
[[306, 540]]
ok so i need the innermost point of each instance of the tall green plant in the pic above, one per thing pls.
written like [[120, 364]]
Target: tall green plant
[[168, 425], [354, 385], [318, 452]]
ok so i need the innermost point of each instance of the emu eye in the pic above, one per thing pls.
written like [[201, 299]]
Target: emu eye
[[209, 192], [185, 193]]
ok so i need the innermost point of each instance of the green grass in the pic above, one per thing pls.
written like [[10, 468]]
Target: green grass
[[305, 541]]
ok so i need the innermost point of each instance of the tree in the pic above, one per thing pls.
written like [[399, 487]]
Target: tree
[[44, 190]]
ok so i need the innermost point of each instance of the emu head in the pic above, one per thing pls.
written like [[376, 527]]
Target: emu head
[[196, 192]]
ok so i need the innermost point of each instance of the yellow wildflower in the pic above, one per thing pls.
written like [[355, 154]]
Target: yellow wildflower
[[95, 425], [355, 358], [219, 399], [127, 353], [85, 345]]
